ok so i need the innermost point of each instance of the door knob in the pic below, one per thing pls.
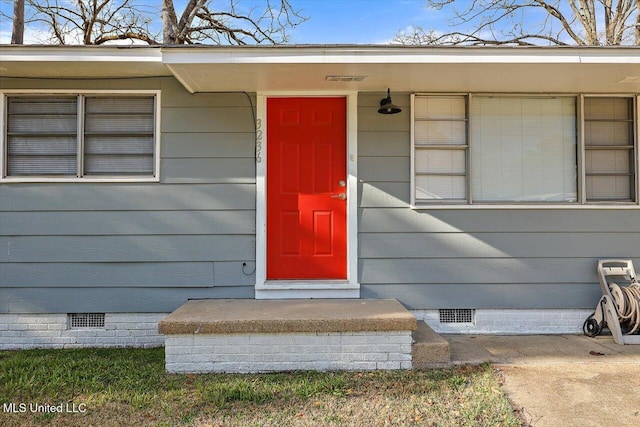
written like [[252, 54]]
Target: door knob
[[341, 196]]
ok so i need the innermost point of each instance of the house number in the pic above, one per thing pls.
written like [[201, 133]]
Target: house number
[[259, 141]]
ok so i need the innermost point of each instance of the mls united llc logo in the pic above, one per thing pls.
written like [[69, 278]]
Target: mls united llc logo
[[21, 408]]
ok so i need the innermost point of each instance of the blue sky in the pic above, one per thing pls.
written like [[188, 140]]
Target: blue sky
[[330, 21], [362, 21]]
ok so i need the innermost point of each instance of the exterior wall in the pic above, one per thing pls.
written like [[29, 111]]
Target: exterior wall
[[139, 247], [473, 258], [148, 247], [25, 331], [360, 351]]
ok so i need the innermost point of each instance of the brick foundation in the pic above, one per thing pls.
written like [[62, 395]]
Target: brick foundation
[[322, 351], [27, 331]]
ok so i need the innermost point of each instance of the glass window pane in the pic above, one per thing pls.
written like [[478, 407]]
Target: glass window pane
[[440, 107], [608, 161], [607, 133], [608, 188], [609, 122], [598, 108], [119, 136], [440, 172], [41, 136], [523, 149], [440, 161], [440, 132], [436, 187]]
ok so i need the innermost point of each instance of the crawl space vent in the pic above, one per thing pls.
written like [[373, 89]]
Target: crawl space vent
[[86, 320], [457, 315]]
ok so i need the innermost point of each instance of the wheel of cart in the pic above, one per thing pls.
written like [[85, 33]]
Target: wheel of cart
[[619, 307]]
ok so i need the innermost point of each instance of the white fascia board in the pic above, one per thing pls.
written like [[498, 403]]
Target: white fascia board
[[80, 54], [411, 55]]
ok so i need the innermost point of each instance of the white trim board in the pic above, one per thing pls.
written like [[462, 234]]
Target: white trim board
[[269, 289]]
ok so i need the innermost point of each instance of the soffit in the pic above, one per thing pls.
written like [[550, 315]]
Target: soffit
[[407, 69]]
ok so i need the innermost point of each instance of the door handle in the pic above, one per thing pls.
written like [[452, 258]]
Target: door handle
[[341, 196]]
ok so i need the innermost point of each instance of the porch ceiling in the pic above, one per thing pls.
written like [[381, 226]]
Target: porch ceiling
[[484, 69]]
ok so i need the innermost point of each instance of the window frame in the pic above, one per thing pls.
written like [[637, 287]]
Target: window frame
[[81, 94], [580, 203], [453, 147]]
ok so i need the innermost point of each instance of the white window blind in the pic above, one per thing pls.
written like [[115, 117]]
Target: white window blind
[[523, 149], [119, 136], [42, 136], [440, 148], [609, 149]]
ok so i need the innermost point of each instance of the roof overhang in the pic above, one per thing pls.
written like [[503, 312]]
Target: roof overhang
[[440, 69], [81, 62], [305, 68]]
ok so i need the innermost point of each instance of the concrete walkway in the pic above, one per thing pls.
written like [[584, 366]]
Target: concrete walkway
[[561, 380]]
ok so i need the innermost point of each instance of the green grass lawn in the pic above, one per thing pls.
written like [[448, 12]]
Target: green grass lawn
[[130, 387]]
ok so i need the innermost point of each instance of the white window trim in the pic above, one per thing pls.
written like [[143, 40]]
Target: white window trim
[[580, 204], [278, 289], [66, 92]]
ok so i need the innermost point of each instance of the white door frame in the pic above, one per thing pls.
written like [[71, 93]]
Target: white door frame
[[275, 289]]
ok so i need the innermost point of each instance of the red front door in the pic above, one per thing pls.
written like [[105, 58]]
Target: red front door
[[306, 188]]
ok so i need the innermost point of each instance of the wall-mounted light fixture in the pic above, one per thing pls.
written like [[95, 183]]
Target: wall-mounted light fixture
[[388, 107]]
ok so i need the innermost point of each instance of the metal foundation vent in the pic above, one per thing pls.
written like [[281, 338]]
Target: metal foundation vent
[[86, 320], [457, 315]]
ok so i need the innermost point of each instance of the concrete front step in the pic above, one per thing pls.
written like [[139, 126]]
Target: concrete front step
[[429, 349], [236, 316], [286, 335]]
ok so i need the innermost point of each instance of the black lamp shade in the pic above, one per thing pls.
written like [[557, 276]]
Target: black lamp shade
[[388, 107]]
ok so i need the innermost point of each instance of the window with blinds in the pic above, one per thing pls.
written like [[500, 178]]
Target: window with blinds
[[529, 149], [42, 136], [524, 149], [440, 148], [609, 149], [80, 136], [119, 136]]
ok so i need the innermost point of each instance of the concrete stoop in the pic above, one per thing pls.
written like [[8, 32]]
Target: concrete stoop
[[286, 335], [429, 349]]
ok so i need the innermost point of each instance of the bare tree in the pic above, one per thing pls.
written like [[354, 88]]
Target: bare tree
[[533, 22], [17, 34], [92, 22], [202, 21], [229, 24]]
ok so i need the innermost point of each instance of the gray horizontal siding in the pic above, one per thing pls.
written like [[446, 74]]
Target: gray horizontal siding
[[126, 197], [218, 145], [384, 195], [473, 258], [498, 245], [101, 223], [403, 220], [126, 275], [384, 169], [113, 275], [209, 171], [142, 247], [494, 296], [114, 300], [206, 119], [131, 248], [479, 270]]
